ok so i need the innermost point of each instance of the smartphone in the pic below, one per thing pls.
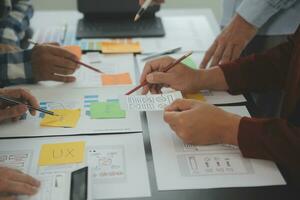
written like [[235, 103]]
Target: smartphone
[[79, 184]]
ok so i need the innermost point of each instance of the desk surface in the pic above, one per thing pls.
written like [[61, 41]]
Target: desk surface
[[48, 18]]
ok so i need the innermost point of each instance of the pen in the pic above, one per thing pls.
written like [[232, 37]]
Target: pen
[[63, 39], [78, 62], [167, 68], [9, 100], [142, 10], [162, 53]]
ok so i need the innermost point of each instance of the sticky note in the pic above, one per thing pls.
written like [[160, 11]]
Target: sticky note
[[190, 63], [67, 119], [197, 96], [106, 110], [116, 79], [75, 50], [62, 153], [120, 46]]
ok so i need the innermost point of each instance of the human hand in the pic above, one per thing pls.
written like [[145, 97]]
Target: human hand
[[153, 1], [199, 123], [14, 182], [230, 43], [50, 62], [16, 111], [179, 77]]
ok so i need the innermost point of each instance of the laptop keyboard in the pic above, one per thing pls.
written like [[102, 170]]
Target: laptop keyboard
[[120, 28]]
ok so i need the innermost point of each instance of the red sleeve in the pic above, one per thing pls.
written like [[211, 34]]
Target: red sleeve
[[261, 72], [271, 139]]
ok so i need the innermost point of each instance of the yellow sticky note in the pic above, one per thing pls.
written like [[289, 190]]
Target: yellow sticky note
[[116, 79], [75, 50], [120, 46], [198, 96], [67, 119], [62, 153]]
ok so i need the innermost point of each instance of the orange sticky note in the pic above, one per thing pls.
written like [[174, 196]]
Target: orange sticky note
[[198, 96], [116, 79], [75, 50], [123, 46]]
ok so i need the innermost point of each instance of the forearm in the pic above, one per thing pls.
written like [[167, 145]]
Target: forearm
[[212, 79]]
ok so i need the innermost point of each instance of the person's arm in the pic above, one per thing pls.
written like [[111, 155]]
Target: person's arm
[[15, 22], [258, 12], [16, 68], [261, 72], [250, 16], [271, 139]]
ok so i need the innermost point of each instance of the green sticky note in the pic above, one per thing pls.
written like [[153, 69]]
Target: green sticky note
[[106, 110], [189, 62]]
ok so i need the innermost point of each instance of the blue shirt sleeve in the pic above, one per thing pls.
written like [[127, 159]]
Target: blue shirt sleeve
[[258, 12]]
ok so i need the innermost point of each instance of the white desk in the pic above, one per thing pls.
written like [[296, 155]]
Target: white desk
[[51, 18]]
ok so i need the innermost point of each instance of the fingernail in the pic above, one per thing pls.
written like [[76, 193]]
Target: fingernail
[[150, 78], [34, 190], [38, 183]]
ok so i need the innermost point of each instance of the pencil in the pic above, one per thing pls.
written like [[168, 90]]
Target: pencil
[[75, 61], [13, 101], [167, 68], [142, 10]]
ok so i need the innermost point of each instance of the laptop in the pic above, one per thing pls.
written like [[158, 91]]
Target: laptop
[[114, 19]]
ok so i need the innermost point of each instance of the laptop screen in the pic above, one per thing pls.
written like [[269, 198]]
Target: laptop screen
[[109, 7]]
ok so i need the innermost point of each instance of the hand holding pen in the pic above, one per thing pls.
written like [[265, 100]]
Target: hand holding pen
[[15, 111], [51, 62], [69, 58], [15, 102], [144, 6]]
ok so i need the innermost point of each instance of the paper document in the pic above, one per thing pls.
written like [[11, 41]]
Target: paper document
[[149, 102], [104, 121], [116, 163], [211, 166], [119, 67]]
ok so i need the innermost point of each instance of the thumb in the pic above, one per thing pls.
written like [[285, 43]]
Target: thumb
[[180, 105], [159, 78]]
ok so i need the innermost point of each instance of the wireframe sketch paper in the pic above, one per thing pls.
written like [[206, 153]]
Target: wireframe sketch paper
[[119, 66], [212, 166], [154, 102], [116, 163], [91, 120]]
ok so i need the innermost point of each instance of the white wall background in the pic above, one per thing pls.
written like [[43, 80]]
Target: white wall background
[[215, 5]]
